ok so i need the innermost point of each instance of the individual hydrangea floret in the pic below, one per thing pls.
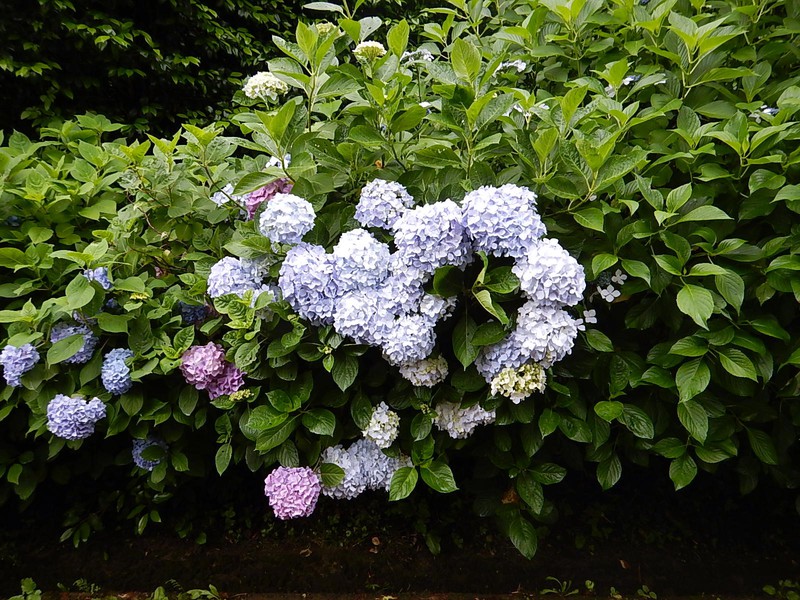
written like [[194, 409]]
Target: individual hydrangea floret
[[140, 446], [264, 85], [518, 384], [292, 491], [360, 260], [74, 418], [201, 365], [431, 236], [236, 276], [17, 361], [420, 54], [193, 314], [410, 338], [367, 52], [519, 65], [307, 283], [229, 381], [383, 426], [427, 372], [254, 200], [62, 330], [382, 203], [100, 275], [361, 316], [459, 423], [502, 221], [114, 373], [286, 219], [549, 275]]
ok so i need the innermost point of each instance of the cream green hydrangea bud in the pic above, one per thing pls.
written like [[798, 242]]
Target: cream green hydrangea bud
[[264, 85], [518, 384], [325, 28], [383, 426], [367, 52]]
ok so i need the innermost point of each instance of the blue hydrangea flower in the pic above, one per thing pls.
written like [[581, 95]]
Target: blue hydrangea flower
[[17, 361], [100, 275], [382, 203], [361, 316], [115, 374], [74, 418], [286, 219], [62, 330], [360, 260], [235, 276], [549, 275], [431, 236], [193, 314], [410, 338], [140, 446], [502, 221], [307, 283]]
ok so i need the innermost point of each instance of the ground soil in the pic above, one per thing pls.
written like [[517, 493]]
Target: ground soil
[[705, 541]]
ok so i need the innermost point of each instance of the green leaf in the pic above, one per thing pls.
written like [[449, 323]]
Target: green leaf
[[731, 286], [344, 371], [408, 119], [447, 281], [696, 302], [590, 218], [485, 299], [463, 333], [548, 473], [599, 340], [64, 349], [682, 471], [608, 410], [273, 438], [762, 446], [601, 262], [11, 258], [79, 292], [132, 402], [549, 421], [223, 458], [466, 60], [397, 38], [523, 536], [331, 474], [636, 268], [113, 323], [439, 477], [637, 421], [488, 333], [694, 418], [609, 471], [501, 281], [403, 483], [187, 401], [531, 492], [670, 447], [704, 213], [692, 378], [282, 401], [735, 362], [320, 421], [265, 417]]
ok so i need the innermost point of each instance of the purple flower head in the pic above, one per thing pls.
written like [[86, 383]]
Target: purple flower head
[[307, 283], [114, 373], [431, 236], [360, 261], [255, 199], [292, 491], [549, 275], [62, 330], [100, 275], [201, 365], [502, 221], [286, 219], [230, 380], [17, 361], [73, 418], [140, 446], [382, 203]]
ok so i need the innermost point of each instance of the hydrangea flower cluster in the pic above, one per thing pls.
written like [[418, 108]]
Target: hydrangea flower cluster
[[518, 384], [458, 422], [549, 275], [17, 361], [100, 275], [140, 446], [382, 203], [254, 200], [62, 330], [365, 467], [367, 52], [205, 368], [420, 54], [74, 418], [192, 314], [264, 85], [383, 426], [236, 276], [307, 283], [114, 373], [292, 491], [286, 219], [427, 372]]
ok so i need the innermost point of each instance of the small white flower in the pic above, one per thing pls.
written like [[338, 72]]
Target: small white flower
[[619, 277], [264, 85], [420, 54], [367, 52], [631, 79], [519, 65], [610, 91], [590, 316], [609, 293]]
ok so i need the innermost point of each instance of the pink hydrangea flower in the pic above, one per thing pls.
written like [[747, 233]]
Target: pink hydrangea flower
[[255, 199], [231, 380], [292, 492], [201, 365]]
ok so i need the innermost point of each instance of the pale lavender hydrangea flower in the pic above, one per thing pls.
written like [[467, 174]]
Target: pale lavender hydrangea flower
[[100, 275], [229, 381], [365, 467], [17, 361], [361, 316], [236, 276], [286, 219], [360, 260], [382, 203], [292, 491], [410, 338], [62, 330], [201, 365], [254, 200], [73, 418], [353, 482], [459, 423], [502, 221], [435, 308], [115, 374], [307, 283], [383, 426], [140, 446], [427, 372], [431, 236], [549, 275]]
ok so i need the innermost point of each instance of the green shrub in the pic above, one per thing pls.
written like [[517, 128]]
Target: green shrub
[[661, 140]]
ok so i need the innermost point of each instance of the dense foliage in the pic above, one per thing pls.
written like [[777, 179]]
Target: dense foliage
[[661, 141]]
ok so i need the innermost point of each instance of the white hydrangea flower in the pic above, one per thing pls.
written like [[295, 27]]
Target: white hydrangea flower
[[459, 423], [549, 275], [383, 426], [421, 54], [426, 372], [360, 260], [382, 203], [518, 384], [590, 316], [519, 65], [286, 219], [367, 52], [411, 337], [264, 85], [619, 277], [608, 293]]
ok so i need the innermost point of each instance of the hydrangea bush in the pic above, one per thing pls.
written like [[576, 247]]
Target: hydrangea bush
[[544, 235]]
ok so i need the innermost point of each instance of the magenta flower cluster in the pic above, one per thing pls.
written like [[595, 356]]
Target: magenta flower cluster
[[205, 368], [292, 491]]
